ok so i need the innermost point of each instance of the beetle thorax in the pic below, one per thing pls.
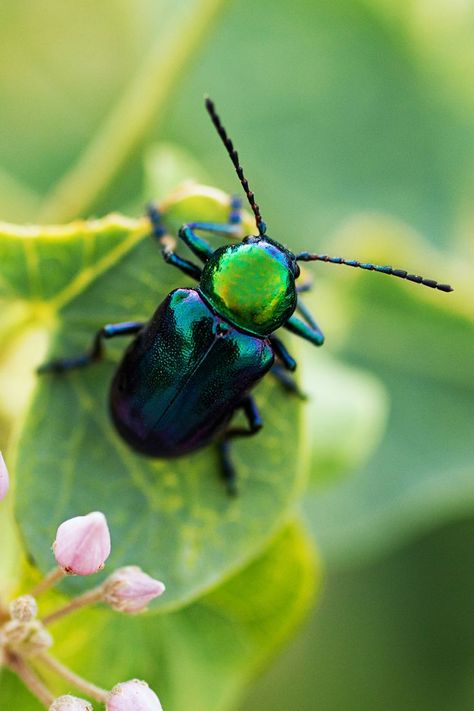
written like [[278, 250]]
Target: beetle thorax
[[251, 284]]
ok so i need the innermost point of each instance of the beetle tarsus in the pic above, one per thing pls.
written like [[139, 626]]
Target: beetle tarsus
[[228, 470], [255, 422], [288, 383]]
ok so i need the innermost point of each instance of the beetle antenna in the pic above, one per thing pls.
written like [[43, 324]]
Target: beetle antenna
[[308, 257], [234, 156]]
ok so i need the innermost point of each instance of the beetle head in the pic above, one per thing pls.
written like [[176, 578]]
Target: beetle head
[[252, 284]]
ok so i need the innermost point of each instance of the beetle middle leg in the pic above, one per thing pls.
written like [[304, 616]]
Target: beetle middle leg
[[306, 328], [96, 351], [255, 423], [287, 363]]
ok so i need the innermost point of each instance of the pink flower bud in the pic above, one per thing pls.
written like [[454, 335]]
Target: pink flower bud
[[133, 695], [82, 544], [130, 590], [4, 478], [70, 703]]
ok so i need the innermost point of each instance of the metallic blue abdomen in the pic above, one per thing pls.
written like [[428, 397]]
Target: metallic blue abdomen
[[182, 378]]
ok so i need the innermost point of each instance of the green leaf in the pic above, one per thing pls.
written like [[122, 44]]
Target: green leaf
[[172, 517], [420, 344], [201, 656]]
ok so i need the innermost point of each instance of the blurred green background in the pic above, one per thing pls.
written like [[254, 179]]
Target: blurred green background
[[354, 123]]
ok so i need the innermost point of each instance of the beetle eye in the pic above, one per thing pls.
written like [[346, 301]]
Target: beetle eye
[[296, 269]]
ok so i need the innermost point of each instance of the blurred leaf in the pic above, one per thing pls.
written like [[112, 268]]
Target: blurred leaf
[[71, 64], [123, 130], [441, 32], [172, 518], [168, 165], [420, 344], [341, 114], [399, 631], [131, 58], [346, 414], [15, 197], [201, 656]]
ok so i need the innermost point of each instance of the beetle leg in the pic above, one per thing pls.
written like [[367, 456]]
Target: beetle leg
[[227, 467], [196, 244], [96, 352], [199, 246], [168, 244], [286, 381], [307, 316], [305, 282], [235, 217], [255, 423], [311, 332], [288, 363], [170, 257], [281, 352]]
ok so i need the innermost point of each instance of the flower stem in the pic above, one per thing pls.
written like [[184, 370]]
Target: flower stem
[[48, 581], [79, 682], [4, 614], [76, 603], [31, 681], [140, 105]]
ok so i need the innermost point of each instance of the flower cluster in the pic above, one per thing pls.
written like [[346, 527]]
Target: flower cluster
[[81, 547]]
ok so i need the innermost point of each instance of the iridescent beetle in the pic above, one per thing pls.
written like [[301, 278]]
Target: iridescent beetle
[[194, 364]]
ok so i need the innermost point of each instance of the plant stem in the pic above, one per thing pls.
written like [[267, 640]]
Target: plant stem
[[4, 614], [85, 686], [139, 105], [31, 681], [48, 581], [76, 603]]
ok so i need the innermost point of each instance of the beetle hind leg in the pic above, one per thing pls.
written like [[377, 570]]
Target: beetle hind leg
[[255, 424], [227, 466], [96, 351], [287, 382]]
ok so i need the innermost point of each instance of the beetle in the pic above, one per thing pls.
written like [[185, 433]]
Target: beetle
[[195, 362]]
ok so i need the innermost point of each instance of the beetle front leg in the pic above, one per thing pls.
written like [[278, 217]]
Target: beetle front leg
[[254, 419], [168, 244], [184, 265], [196, 244], [96, 352], [199, 246]]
